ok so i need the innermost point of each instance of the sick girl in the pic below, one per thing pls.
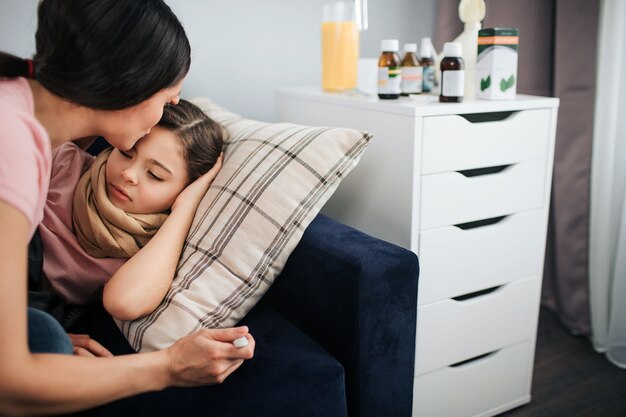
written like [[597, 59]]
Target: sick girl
[[107, 220]]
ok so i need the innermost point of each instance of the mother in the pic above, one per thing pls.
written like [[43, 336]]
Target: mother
[[102, 68]]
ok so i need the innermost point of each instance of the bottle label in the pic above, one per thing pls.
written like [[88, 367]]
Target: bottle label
[[389, 79], [429, 79], [411, 80], [452, 83]]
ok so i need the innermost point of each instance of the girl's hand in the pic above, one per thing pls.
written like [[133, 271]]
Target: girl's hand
[[191, 196], [86, 346]]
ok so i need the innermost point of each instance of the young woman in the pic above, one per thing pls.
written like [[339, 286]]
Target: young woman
[[102, 211], [102, 67]]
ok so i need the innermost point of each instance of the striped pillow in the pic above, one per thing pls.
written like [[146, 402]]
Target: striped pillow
[[274, 181]]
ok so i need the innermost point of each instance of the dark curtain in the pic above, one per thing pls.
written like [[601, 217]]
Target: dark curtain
[[556, 58]]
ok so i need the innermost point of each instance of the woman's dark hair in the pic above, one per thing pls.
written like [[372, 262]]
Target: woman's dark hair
[[201, 137], [105, 54]]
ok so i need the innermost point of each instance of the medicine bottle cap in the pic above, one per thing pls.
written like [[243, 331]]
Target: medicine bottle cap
[[390, 45], [410, 47], [425, 48], [452, 49]]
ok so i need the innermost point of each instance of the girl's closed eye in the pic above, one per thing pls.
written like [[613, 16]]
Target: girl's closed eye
[[125, 154], [154, 176]]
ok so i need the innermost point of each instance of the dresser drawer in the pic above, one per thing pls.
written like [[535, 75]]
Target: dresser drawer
[[450, 331], [456, 261], [453, 143], [484, 387], [453, 198]]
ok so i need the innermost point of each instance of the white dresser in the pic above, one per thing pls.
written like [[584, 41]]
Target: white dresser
[[467, 187]]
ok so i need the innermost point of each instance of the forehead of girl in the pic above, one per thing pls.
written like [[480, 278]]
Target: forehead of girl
[[163, 150]]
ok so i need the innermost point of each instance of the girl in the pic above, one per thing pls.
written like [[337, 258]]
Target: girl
[[120, 202], [101, 68]]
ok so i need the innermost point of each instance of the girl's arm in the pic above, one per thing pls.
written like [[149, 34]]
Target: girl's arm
[[50, 383], [139, 286]]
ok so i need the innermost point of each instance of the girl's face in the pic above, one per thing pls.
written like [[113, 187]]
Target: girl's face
[[122, 128], [147, 178]]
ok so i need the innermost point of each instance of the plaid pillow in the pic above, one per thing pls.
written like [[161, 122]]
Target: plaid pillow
[[274, 181]]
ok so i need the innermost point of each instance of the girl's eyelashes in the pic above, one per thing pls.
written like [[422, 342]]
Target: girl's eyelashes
[[154, 177], [151, 174]]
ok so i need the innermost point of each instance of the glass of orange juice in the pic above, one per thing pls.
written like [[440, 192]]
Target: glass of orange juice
[[340, 46]]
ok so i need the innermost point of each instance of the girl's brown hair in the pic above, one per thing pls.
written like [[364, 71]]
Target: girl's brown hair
[[202, 138]]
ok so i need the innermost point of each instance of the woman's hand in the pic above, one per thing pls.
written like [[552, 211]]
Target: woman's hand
[[86, 346], [208, 356], [190, 197]]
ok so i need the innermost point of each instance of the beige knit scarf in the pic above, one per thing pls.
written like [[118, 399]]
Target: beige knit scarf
[[102, 229]]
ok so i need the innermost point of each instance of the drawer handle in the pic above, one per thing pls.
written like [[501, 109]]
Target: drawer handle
[[474, 359], [480, 223], [469, 173], [496, 116], [475, 294]]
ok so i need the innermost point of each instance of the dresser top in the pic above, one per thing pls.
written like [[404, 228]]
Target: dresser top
[[421, 105]]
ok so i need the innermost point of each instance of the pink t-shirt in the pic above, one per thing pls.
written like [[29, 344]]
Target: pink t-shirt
[[72, 273], [24, 152]]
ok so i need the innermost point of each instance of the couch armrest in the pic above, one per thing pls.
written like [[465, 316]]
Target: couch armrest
[[357, 296]]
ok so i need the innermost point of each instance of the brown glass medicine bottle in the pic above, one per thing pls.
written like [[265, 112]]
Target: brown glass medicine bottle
[[389, 70], [452, 74], [411, 71]]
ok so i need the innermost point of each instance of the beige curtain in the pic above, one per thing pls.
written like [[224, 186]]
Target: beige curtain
[[607, 261], [557, 57]]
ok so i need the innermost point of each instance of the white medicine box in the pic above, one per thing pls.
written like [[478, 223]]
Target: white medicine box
[[496, 63]]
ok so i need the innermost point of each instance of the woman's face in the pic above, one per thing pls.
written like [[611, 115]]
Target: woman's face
[[147, 178], [122, 128]]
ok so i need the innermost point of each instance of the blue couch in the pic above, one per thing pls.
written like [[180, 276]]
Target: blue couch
[[335, 337]]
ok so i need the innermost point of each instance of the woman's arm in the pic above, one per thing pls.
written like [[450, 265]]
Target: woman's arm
[[138, 287], [51, 384]]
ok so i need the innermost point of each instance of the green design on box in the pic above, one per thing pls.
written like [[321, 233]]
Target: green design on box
[[508, 83], [485, 83]]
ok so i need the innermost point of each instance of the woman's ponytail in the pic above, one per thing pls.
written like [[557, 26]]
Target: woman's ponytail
[[12, 66]]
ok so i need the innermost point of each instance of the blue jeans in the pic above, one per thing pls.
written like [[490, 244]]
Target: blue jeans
[[45, 334]]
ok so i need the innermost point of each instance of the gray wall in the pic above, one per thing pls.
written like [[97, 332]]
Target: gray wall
[[244, 49]]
